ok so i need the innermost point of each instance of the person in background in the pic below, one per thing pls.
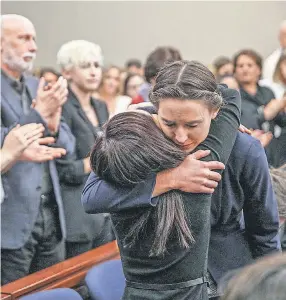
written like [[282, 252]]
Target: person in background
[[278, 177], [155, 61], [134, 66], [223, 66], [263, 280], [51, 76], [80, 62], [278, 83], [132, 85], [259, 109], [109, 92], [229, 80], [271, 61], [33, 226]]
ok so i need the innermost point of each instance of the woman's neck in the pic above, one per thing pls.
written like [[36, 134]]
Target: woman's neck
[[82, 96]]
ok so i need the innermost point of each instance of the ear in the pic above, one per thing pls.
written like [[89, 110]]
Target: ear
[[214, 113]]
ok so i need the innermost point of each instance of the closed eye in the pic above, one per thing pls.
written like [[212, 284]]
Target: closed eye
[[192, 125]]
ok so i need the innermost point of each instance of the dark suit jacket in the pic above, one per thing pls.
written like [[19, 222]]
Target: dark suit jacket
[[22, 183], [245, 193], [80, 226]]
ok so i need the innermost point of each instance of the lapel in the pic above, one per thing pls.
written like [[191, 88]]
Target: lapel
[[73, 100], [101, 117], [12, 98]]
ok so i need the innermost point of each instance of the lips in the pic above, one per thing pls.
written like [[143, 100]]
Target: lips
[[92, 81]]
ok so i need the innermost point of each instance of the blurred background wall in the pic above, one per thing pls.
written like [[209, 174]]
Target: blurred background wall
[[201, 30]]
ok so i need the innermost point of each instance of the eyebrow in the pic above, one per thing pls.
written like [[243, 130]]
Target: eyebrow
[[189, 123]]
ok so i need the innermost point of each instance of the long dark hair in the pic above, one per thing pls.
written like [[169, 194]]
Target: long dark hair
[[131, 148]]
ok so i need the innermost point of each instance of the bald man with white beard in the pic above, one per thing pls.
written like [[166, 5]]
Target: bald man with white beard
[[33, 225], [271, 61]]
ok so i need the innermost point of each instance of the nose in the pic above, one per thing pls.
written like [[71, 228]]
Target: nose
[[33, 46], [181, 136], [94, 70]]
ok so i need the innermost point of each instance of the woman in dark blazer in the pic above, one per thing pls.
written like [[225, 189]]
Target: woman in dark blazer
[[85, 117]]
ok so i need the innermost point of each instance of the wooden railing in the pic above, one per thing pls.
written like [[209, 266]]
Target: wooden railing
[[69, 273]]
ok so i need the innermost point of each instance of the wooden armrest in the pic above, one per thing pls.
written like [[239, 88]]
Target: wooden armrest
[[5, 297], [68, 273]]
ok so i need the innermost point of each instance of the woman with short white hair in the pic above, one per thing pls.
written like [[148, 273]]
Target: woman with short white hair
[[81, 62]]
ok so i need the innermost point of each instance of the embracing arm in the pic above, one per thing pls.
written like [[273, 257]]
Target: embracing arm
[[219, 142], [100, 196], [260, 207]]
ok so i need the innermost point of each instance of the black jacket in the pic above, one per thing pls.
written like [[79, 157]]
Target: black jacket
[[80, 226]]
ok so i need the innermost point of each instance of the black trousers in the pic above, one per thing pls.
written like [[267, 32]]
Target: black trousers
[[45, 246], [106, 235]]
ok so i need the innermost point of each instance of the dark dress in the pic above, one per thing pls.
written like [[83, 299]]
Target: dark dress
[[181, 273]]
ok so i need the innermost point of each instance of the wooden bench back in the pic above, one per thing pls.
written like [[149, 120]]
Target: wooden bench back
[[69, 273]]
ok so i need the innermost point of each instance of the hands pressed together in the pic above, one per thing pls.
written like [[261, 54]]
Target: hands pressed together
[[49, 102]]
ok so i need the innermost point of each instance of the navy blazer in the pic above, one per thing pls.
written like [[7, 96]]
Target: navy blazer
[[22, 183], [245, 186], [245, 191]]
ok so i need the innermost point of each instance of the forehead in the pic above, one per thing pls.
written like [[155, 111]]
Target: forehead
[[114, 72], [245, 59], [182, 110], [18, 27]]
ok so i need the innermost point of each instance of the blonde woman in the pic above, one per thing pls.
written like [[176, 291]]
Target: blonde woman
[[109, 92]]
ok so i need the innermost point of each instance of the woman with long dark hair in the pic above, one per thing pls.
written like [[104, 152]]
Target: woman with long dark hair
[[163, 241]]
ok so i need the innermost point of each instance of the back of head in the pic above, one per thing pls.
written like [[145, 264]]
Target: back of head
[[157, 59], [78, 52], [131, 148], [186, 80], [263, 280]]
